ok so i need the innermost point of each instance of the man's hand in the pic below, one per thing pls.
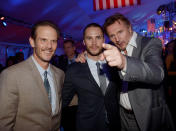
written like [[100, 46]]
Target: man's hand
[[113, 56], [81, 57]]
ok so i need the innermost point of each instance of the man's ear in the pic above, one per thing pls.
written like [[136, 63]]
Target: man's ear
[[31, 41], [130, 29]]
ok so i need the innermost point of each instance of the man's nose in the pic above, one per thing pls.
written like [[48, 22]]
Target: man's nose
[[94, 41], [49, 44], [116, 38]]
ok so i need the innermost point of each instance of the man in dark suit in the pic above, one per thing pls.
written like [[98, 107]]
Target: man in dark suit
[[68, 121], [30, 92], [142, 103], [70, 55], [95, 86]]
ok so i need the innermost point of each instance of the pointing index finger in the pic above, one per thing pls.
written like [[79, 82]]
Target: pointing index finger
[[107, 46]]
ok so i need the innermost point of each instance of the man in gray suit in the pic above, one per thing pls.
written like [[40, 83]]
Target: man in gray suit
[[30, 92], [142, 103]]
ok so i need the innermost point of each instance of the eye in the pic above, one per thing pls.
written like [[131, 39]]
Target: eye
[[54, 41], [99, 37], [112, 36], [119, 32], [43, 40], [88, 38]]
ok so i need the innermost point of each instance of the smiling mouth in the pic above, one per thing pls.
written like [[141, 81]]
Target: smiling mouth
[[48, 52], [94, 48]]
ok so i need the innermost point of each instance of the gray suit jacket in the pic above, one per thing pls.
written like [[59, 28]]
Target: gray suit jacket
[[24, 104], [145, 74]]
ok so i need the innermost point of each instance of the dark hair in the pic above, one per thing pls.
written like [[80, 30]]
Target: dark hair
[[92, 25], [71, 41], [44, 23], [112, 19], [12, 59], [172, 42], [19, 54]]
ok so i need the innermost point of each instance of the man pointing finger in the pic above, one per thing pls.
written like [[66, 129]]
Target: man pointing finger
[[113, 56]]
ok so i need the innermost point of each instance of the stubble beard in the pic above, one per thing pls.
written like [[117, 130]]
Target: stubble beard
[[94, 54]]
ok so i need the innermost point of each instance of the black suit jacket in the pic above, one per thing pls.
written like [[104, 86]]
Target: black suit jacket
[[145, 74], [63, 62], [91, 102]]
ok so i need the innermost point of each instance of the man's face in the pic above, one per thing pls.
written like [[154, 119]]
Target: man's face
[[45, 44], [69, 49], [120, 34], [93, 40]]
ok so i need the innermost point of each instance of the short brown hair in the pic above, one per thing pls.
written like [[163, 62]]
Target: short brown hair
[[71, 41], [44, 23], [93, 25], [112, 19]]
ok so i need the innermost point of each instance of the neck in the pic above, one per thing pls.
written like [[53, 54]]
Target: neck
[[71, 56], [95, 58], [43, 64]]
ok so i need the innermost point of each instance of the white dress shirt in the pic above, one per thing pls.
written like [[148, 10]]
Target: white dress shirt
[[124, 99], [51, 82]]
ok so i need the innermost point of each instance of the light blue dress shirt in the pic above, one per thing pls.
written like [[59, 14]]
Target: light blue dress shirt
[[73, 60], [51, 82], [93, 69]]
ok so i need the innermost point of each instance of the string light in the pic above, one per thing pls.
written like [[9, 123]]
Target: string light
[[7, 19], [2, 21], [170, 28], [2, 18]]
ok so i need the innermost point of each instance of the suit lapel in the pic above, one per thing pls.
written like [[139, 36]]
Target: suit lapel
[[87, 71], [112, 75], [38, 80], [91, 78], [108, 74], [56, 84], [134, 99], [137, 50]]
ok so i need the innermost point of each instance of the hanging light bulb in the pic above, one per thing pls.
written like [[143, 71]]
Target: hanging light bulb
[[2, 18], [170, 28], [4, 23]]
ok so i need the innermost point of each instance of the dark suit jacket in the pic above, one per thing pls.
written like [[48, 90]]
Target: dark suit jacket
[[91, 102], [62, 62], [24, 104], [145, 74]]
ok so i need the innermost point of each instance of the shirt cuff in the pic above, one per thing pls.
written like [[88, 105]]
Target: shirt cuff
[[123, 71]]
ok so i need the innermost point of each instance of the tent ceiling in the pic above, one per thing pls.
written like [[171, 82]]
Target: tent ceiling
[[71, 15]]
